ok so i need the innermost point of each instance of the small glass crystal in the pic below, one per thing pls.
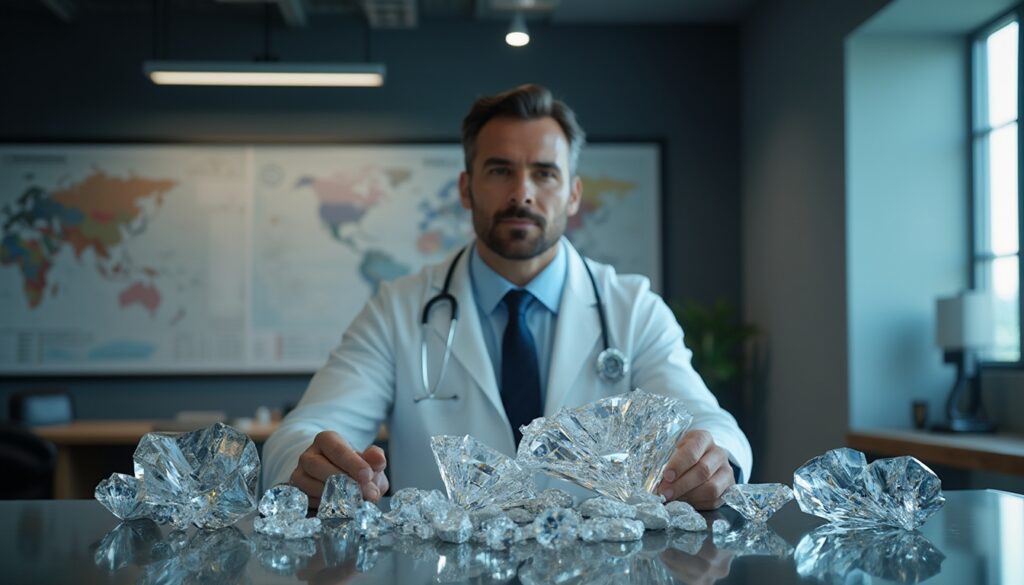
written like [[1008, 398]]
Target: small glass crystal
[[757, 502], [369, 521], [616, 446], [120, 494], [557, 527], [500, 532], [341, 497], [285, 501]]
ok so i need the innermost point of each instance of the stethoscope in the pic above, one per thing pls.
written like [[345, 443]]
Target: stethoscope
[[612, 365]]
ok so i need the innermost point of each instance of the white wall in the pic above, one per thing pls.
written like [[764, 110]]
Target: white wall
[[907, 206]]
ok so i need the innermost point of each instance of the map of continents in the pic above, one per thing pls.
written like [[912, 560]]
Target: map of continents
[[95, 214]]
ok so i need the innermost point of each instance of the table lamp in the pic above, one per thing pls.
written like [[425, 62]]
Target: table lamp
[[963, 326]]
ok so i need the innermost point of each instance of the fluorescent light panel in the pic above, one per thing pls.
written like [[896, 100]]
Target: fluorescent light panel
[[265, 74]]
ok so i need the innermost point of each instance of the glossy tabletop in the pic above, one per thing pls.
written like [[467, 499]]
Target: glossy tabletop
[[976, 538]]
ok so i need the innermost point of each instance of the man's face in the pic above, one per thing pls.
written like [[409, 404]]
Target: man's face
[[519, 188]]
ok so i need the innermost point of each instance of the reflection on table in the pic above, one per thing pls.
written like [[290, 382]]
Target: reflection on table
[[978, 537]]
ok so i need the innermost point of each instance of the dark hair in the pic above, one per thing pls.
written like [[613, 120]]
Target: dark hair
[[526, 102]]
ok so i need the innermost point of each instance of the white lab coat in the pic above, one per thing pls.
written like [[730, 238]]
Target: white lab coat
[[374, 374]]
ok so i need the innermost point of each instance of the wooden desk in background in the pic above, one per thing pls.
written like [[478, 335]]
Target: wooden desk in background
[[88, 450], [1002, 453]]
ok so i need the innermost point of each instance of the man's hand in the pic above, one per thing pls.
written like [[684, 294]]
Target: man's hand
[[329, 455], [698, 472]]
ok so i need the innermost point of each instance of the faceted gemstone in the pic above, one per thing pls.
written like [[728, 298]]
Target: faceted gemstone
[[476, 475], [557, 527], [606, 508], [341, 497], [616, 446], [119, 493], [757, 501], [369, 521], [611, 529], [833, 553], [285, 501], [206, 477], [455, 527], [841, 487], [286, 527], [653, 515], [754, 538], [500, 532]]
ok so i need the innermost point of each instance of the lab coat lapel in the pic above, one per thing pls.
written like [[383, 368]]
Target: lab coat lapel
[[468, 347], [575, 335]]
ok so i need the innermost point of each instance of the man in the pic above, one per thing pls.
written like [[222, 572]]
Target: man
[[527, 339]]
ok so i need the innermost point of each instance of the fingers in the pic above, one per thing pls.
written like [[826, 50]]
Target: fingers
[[701, 471], [708, 496], [337, 451], [312, 487], [374, 457]]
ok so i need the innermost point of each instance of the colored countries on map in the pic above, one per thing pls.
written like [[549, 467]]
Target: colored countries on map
[[92, 214]]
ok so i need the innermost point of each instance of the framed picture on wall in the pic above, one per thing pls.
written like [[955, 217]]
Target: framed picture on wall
[[185, 259]]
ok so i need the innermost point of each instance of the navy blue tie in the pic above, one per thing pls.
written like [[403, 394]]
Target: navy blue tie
[[520, 374]]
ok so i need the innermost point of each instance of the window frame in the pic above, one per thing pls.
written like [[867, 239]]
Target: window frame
[[976, 92]]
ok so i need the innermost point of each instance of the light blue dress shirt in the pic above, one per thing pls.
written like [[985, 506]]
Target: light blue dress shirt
[[489, 289]]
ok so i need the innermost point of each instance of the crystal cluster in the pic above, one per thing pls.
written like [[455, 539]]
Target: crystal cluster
[[757, 502], [476, 475], [842, 487], [206, 477], [616, 446], [284, 510]]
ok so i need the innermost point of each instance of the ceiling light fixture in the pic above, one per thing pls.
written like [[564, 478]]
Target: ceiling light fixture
[[265, 74], [517, 35]]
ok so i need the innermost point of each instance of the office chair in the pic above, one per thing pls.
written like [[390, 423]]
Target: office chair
[[28, 463], [41, 407]]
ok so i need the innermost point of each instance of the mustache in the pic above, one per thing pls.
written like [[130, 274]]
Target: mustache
[[520, 212]]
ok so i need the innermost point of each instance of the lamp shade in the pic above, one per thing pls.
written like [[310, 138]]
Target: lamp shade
[[964, 321]]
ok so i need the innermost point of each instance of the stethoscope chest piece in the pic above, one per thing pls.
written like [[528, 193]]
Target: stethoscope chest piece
[[612, 365]]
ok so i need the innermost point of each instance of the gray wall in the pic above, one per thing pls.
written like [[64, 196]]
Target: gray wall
[[678, 84], [907, 205], [793, 221]]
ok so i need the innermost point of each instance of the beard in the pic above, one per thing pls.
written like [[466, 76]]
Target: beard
[[517, 243]]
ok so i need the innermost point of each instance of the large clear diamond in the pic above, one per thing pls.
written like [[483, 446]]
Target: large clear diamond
[[476, 475], [758, 501], [835, 554], [207, 477], [616, 446], [841, 487]]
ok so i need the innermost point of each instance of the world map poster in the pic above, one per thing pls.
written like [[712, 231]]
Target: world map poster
[[147, 259]]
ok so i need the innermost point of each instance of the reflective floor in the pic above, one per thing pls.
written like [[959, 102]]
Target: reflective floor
[[977, 538]]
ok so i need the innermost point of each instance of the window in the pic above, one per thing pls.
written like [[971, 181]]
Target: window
[[997, 193]]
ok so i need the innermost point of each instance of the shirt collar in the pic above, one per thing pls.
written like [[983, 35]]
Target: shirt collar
[[489, 287]]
